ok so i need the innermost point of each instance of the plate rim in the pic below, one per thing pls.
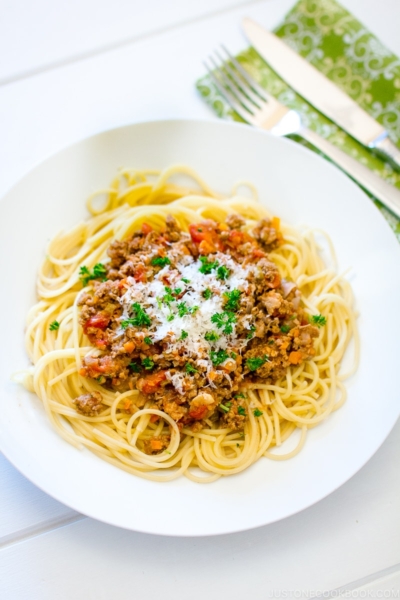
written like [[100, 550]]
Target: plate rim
[[218, 123]]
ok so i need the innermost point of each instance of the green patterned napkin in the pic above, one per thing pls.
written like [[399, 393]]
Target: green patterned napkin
[[330, 38]]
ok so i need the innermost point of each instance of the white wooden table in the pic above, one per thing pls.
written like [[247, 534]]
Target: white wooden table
[[69, 70]]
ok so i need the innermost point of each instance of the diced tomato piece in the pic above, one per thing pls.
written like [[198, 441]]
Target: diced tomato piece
[[99, 321], [236, 238], [276, 281], [206, 247], [129, 346], [205, 232], [156, 444], [151, 383], [100, 343], [146, 228], [197, 232], [140, 274], [295, 357], [154, 418], [257, 253], [198, 412]]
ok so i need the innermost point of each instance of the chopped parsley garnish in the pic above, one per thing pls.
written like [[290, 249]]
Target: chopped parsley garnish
[[207, 294], [240, 395], [168, 298], [211, 336], [224, 321], [54, 326], [225, 407], [271, 342], [148, 340], [207, 266], [190, 368], [134, 367], [185, 280], [184, 335], [182, 309], [257, 412], [177, 291], [256, 362], [285, 328], [219, 357], [160, 261], [140, 319], [251, 332], [241, 411], [318, 320], [233, 300], [170, 318], [99, 272], [148, 363], [223, 272], [233, 355]]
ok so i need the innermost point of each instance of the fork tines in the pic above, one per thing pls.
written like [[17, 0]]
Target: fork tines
[[241, 91]]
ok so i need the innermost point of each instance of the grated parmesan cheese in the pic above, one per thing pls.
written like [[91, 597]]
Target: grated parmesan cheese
[[166, 322]]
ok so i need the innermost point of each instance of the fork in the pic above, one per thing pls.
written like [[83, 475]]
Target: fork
[[258, 108]]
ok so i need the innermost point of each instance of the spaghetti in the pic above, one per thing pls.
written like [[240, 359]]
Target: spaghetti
[[120, 425]]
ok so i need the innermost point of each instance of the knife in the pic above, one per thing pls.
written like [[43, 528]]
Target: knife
[[319, 91]]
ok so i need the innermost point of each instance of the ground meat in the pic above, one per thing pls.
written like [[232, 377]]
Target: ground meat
[[272, 331], [267, 233], [235, 418], [89, 405], [235, 221], [156, 444]]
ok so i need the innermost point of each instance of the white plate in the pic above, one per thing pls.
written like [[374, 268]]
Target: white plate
[[301, 188]]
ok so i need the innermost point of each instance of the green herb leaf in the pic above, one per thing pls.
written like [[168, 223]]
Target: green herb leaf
[[207, 266], [177, 291], [182, 309], [190, 368], [207, 294], [160, 261], [134, 367], [251, 332], [168, 298], [211, 336], [318, 320], [99, 272], [285, 328], [184, 335], [54, 326], [148, 340], [232, 302], [224, 321], [223, 272], [257, 412], [240, 395], [170, 318], [185, 280], [233, 355], [140, 319], [224, 407], [255, 363], [148, 363], [241, 411], [219, 357]]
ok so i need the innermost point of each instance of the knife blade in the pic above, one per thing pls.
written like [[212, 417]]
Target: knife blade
[[322, 93]]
